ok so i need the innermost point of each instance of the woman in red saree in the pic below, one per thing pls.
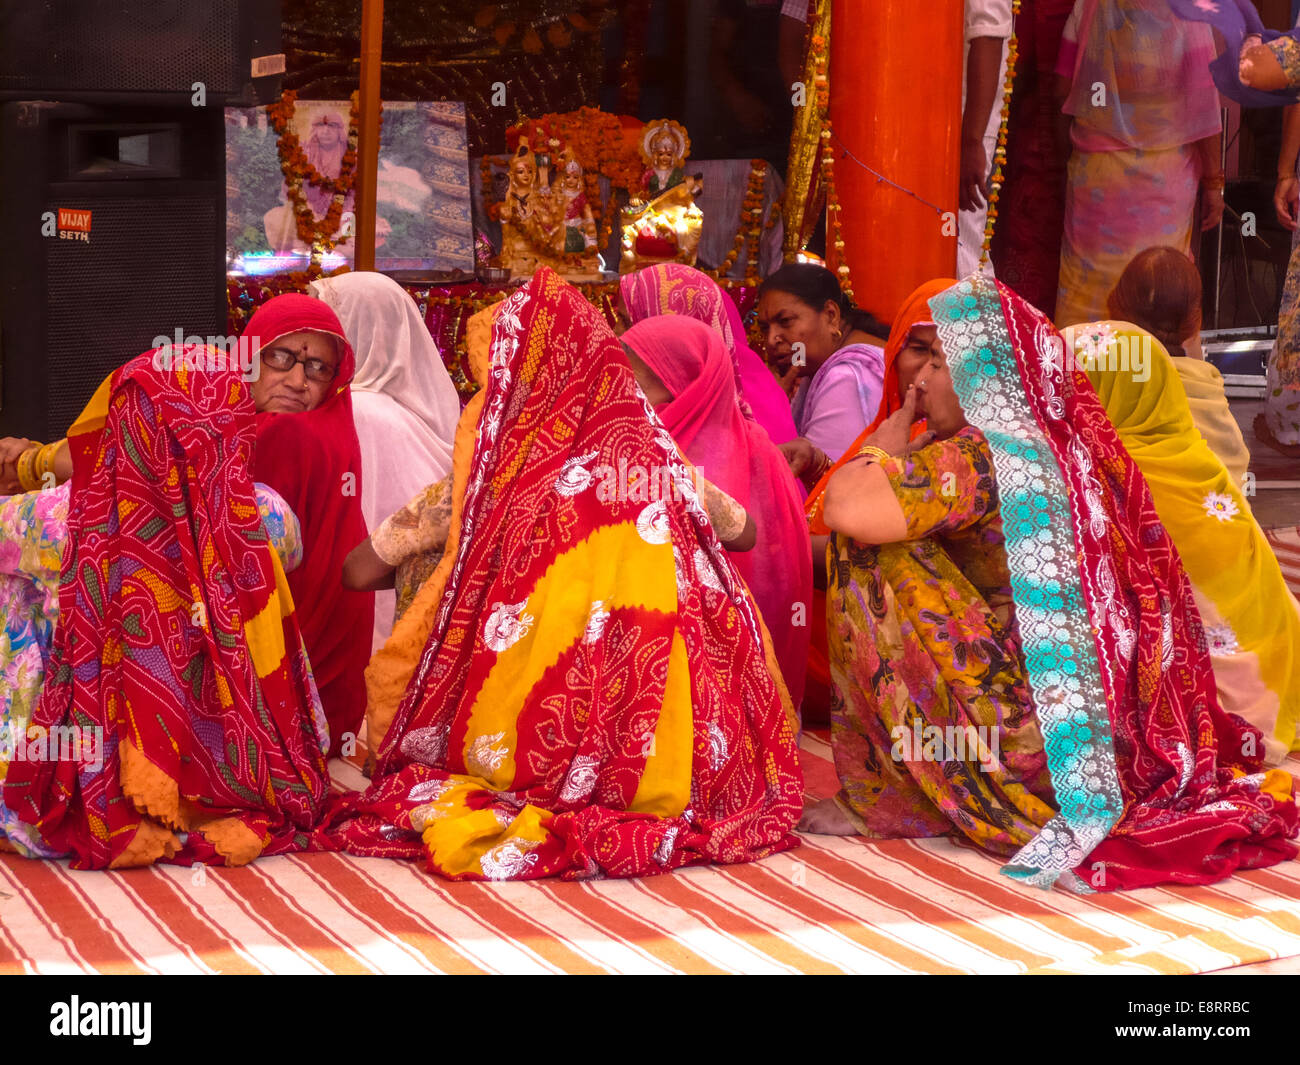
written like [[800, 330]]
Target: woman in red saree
[[311, 456], [177, 654], [596, 694], [1017, 653], [736, 454]]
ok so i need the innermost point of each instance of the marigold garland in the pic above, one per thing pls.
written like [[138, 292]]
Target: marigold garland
[[317, 233], [751, 227], [1000, 153], [835, 231]]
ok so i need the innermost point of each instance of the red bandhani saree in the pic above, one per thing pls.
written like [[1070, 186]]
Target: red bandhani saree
[[313, 460], [596, 696], [178, 711], [1153, 782]]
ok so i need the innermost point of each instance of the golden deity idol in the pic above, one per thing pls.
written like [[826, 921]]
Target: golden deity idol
[[663, 224]]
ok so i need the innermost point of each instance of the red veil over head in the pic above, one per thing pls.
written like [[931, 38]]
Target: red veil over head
[[313, 460]]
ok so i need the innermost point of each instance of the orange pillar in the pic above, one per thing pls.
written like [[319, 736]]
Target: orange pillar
[[895, 79]]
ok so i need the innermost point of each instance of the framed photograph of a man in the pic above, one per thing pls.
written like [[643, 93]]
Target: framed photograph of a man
[[422, 225]]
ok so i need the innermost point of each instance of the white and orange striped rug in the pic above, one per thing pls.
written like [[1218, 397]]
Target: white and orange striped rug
[[1286, 546], [832, 906]]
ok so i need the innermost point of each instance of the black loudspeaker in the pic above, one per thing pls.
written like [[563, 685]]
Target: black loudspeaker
[[112, 221], [146, 51]]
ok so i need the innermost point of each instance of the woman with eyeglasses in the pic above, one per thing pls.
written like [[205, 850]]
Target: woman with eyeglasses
[[156, 702], [307, 450]]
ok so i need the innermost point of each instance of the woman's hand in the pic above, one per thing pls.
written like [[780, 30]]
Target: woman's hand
[[1286, 198], [11, 447], [1211, 208], [365, 571], [895, 433], [798, 453], [807, 461], [1259, 68]]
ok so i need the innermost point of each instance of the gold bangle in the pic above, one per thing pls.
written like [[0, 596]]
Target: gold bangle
[[867, 451], [824, 463], [26, 469], [45, 462], [1214, 181]]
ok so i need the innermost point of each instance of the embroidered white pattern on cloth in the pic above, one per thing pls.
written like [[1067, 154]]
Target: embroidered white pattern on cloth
[[1052, 613], [506, 625]]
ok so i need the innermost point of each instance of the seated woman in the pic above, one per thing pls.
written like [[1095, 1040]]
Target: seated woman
[[1015, 648], [404, 404], [307, 450], [33, 535], [683, 370], [671, 288], [1160, 291], [906, 352], [595, 694], [178, 719], [1251, 619], [813, 332]]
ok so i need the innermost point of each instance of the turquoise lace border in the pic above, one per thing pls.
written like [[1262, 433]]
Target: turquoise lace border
[[1051, 611]]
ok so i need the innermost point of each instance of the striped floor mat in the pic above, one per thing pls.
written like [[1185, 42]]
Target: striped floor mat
[[832, 906], [1286, 546]]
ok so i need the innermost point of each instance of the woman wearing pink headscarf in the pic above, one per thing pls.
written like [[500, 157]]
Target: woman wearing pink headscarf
[[692, 385], [671, 288]]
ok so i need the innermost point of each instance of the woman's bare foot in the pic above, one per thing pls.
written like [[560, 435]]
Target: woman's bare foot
[[1265, 436], [826, 818]]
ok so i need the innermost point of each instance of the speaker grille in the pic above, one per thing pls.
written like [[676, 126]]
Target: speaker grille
[[147, 270], [120, 45]]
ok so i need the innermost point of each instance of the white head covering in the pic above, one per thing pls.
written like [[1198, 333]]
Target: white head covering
[[403, 402]]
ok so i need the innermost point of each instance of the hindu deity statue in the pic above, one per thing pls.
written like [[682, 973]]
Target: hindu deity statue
[[664, 147], [664, 224], [529, 221], [578, 235]]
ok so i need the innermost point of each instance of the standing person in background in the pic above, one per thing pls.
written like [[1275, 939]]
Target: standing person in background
[[753, 115], [791, 38], [1143, 119], [1027, 241], [404, 404], [988, 25], [1278, 424]]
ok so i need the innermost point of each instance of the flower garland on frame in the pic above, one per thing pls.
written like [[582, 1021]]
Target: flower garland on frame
[[317, 233]]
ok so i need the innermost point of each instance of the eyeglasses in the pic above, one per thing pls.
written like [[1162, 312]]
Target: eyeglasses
[[284, 361]]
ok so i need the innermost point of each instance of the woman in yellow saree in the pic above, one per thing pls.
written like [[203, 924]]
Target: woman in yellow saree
[[1251, 620], [583, 685]]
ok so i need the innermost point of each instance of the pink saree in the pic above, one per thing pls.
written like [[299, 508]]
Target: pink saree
[[671, 288], [735, 453]]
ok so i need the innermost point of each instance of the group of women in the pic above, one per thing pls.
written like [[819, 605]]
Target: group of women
[[624, 570]]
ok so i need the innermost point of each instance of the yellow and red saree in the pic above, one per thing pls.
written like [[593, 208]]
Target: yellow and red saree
[[597, 694]]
